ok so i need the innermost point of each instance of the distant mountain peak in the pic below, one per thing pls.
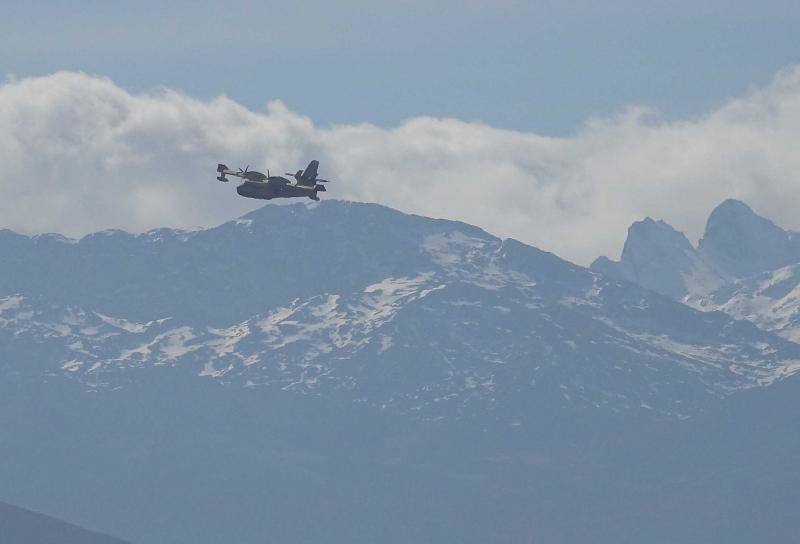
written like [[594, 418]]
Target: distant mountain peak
[[742, 243], [733, 205], [737, 243], [726, 271], [735, 214], [649, 231], [656, 256]]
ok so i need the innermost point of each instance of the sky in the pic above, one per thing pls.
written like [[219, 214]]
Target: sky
[[556, 123]]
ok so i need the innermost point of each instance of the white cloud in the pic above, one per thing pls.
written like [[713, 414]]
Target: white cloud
[[81, 154]]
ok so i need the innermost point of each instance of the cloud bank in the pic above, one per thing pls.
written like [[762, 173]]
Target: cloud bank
[[81, 154]]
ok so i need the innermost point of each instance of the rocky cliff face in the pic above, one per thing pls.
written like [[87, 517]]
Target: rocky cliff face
[[659, 258], [743, 266], [741, 243]]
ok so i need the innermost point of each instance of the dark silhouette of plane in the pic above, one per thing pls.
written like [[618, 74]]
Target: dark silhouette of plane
[[266, 187]]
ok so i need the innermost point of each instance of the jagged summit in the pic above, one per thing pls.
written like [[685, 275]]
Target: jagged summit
[[730, 208], [742, 243], [735, 267], [657, 257], [737, 243], [646, 234], [648, 231]]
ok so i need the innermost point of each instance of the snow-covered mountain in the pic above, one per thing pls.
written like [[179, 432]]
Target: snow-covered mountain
[[744, 265], [367, 304], [347, 373], [770, 299]]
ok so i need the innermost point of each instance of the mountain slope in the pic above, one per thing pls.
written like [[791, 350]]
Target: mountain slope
[[400, 312], [20, 526], [165, 461], [347, 373], [770, 299]]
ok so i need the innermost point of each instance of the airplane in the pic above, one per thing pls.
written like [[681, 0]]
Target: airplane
[[267, 187]]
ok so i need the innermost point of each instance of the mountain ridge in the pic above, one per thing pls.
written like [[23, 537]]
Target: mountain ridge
[[348, 373], [733, 269], [340, 298]]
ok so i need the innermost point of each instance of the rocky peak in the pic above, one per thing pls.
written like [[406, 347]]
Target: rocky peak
[[648, 235], [655, 256], [742, 243]]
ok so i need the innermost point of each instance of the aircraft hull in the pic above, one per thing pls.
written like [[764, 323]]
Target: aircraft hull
[[268, 191]]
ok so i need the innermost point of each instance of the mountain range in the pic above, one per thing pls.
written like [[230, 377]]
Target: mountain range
[[349, 373], [744, 265]]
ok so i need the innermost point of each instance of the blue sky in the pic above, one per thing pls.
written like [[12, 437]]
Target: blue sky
[[541, 66]]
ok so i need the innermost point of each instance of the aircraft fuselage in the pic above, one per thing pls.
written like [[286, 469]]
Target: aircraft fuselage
[[270, 190]]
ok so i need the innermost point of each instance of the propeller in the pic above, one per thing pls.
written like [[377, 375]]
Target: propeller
[[322, 180], [245, 169]]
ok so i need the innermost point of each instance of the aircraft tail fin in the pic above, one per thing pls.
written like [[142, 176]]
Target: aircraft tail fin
[[221, 167], [310, 173]]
